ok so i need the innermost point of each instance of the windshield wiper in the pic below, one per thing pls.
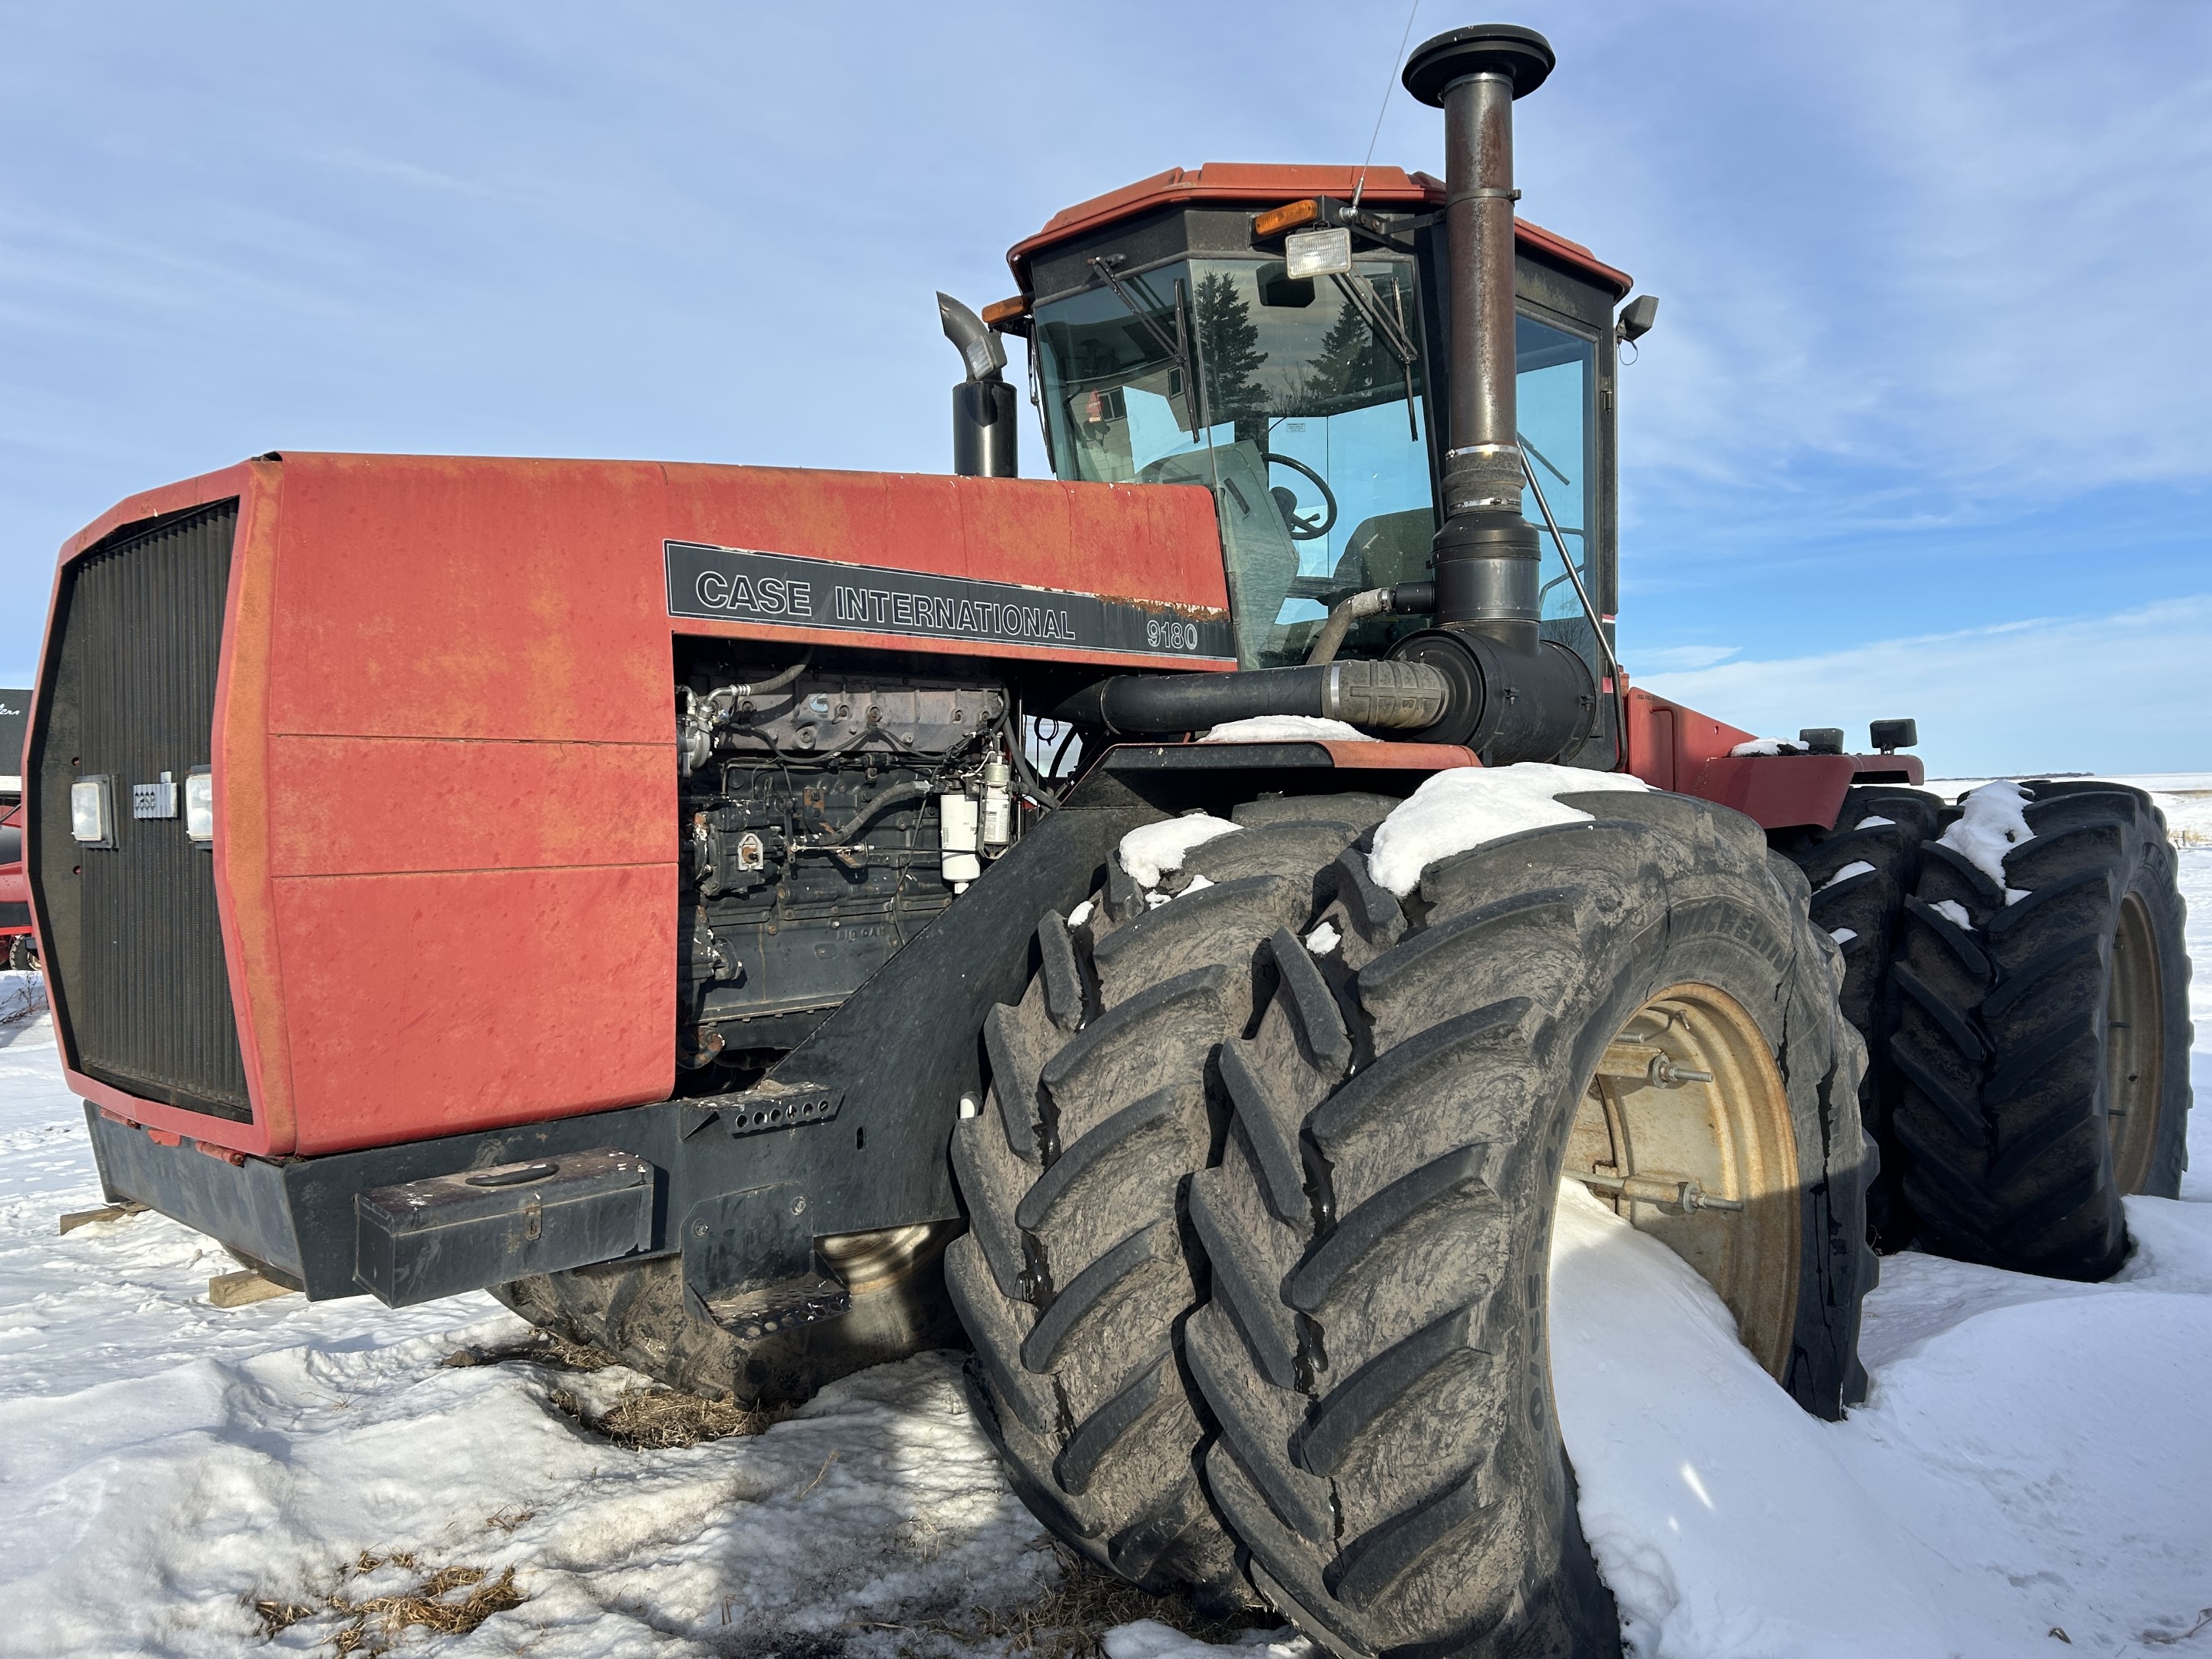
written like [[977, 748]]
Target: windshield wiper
[[1177, 349], [1360, 295]]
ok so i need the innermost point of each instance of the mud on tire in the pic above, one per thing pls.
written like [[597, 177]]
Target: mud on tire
[[1077, 1270], [638, 1312], [1375, 1348], [2043, 1044]]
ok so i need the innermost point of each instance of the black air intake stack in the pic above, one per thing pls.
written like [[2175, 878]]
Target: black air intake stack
[[1483, 676], [1517, 697]]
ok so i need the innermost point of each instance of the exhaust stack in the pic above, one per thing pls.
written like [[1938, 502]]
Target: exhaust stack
[[983, 424], [1486, 553]]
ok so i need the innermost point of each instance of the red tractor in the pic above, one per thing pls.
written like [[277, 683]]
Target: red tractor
[[1218, 1092], [18, 945]]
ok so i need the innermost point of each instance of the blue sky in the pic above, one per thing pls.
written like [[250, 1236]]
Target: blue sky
[[1923, 430]]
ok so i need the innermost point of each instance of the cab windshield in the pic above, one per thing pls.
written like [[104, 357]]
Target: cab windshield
[[1297, 402]]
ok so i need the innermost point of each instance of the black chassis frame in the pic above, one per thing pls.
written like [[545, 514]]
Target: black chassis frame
[[742, 1201]]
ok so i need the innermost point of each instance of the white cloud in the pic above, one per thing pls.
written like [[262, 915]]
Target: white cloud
[[2071, 694], [1676, 659], [1929, 270]]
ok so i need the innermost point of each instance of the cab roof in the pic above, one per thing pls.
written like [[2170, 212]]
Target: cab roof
[[1265, 183]]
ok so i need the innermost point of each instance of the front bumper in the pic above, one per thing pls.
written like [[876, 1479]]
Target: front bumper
[[298, 1220]]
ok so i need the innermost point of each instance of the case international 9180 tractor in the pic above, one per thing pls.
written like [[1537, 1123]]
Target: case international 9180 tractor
[[1218, 1092], [18, 945]]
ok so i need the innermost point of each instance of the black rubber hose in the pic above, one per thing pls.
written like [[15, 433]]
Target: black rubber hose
[[1382, 695], [775, 682], [876, 808]]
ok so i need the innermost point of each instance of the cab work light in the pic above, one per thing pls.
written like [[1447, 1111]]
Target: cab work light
[[1289, 216], [199, 806], [92, 811], [1317, 253]]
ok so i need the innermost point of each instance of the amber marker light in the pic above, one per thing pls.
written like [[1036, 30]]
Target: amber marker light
[[1289, 216], [999, 313]]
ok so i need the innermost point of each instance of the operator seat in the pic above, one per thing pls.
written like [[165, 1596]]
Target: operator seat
[[1261, 558]]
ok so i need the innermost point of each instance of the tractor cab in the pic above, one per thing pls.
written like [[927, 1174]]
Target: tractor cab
[[1183, 331]]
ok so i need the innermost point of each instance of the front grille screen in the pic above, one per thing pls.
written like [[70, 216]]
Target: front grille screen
[[139, 983]]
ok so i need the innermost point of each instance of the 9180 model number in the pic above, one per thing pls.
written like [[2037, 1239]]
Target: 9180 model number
[[1170, 634]]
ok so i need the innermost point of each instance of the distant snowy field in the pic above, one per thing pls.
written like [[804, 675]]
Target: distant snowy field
[[2031, 1474]]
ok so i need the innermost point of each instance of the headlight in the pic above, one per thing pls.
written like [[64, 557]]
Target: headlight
[[92, 811], [199, 805]]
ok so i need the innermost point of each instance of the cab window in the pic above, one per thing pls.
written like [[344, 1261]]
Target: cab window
[[1293, 402]]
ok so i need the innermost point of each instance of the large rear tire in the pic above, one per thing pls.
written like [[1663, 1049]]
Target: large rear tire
[[1599, 998], [1077, 1271], [1861, 872], [2043, 1042]]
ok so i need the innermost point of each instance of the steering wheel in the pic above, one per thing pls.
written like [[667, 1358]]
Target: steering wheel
[[1302, 530]]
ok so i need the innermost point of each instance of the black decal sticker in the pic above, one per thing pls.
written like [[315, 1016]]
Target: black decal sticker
[[737, 584]]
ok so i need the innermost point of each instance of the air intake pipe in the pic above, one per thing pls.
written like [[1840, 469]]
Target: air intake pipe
[[1483, 676], [983, 428], [1517, 696], [1378, 696]]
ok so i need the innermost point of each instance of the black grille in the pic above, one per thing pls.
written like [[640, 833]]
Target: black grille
[[137, 975]]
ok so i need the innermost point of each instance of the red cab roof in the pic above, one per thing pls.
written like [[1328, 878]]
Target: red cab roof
[[1261, 184]]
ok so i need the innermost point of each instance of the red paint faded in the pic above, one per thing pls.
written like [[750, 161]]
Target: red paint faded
[[445, 854], [1262, 185], [1672, 746], [1400, 756]]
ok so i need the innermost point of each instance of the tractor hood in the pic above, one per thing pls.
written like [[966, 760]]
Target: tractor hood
[[434, 694]]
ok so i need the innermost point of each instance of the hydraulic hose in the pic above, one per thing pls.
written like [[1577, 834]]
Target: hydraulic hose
[[1410, 598], [776, 682], [874, 809]]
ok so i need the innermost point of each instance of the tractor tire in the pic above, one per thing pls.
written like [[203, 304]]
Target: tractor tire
[[2044, 1043], [638, 1313], [23, 952], [1375, 1351], [1876, 840], [1077, 1271]]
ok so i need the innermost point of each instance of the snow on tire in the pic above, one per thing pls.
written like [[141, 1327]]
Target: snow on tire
[[1375, 1347], [1077, 1272], [2043, 1034]]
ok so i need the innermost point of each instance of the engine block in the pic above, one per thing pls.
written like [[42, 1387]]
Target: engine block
[[813, 819]]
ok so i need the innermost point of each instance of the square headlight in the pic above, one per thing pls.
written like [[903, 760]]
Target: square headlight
[[1318, 254], [92, 811], [199, 806]]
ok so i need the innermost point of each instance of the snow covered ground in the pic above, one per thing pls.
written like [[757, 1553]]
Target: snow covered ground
[[2031, 1473]]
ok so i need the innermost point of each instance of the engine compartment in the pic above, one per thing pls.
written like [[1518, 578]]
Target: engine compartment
[[832, 805]]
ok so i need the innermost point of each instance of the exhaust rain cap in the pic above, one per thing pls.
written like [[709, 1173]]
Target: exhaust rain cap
[[1522, 55], [981, 350]]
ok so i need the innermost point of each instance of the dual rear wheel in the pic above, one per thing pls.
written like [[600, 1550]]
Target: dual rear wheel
[[1338, 1369]]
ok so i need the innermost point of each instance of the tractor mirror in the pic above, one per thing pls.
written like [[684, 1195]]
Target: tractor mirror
[[1312, 253], [1279, 293]]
